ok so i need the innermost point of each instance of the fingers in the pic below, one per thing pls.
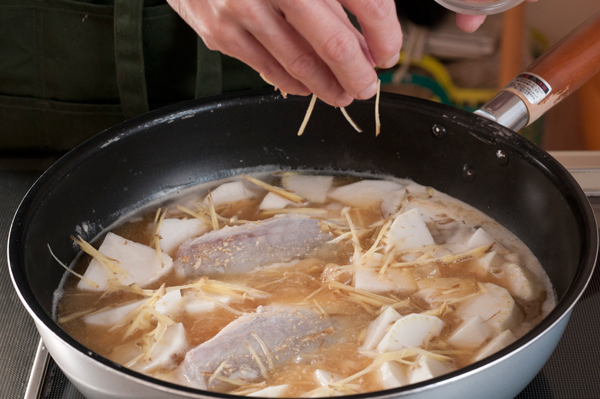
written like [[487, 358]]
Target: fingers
[[297, 56], [334, 43], [380, 27], [469, 23], [214, 24], [302, 46], [341, 13], [250, 51]]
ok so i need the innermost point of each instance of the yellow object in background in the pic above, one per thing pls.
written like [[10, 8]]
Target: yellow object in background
[[589, 103], [459, 95]]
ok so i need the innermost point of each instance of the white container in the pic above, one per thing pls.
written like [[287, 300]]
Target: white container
[[479, 7]]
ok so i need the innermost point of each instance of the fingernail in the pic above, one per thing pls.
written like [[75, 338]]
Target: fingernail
[[344, 100], [391, 62], [368, 92]]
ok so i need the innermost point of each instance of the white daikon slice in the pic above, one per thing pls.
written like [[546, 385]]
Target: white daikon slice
[[520, 282], [325, 377], [437, 290], [168, 347], [411, 330], [175, 231], [195, 305], [490, 263], [277, 391], [428, 214], [495, 305], [274, 201], [378, 328], [229, 192], [364, 193], [394, 280], [313, 188], [427, 368], [110, 317], [172, 343], [392, 375], [374, 261], [409, 257], [140, 261], [470, 334], [124, 353], [479, 239], [501, 341], [170, 304], [408, 231], [459, 235], [392, 202]]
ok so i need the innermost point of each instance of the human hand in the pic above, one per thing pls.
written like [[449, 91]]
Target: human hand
[[303, 46], [470, 23]]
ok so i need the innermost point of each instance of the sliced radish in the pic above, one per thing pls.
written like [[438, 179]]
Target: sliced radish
[[229, 192], [140, 262], [378, 328], [173, 232], [364, 193], [313, 188], [411, 330], [408, 231], [274, 201]]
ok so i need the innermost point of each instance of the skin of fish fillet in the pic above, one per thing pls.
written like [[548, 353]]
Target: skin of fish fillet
[[240, 249], [286, 332]]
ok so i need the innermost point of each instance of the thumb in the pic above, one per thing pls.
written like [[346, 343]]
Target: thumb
[[469, 23]]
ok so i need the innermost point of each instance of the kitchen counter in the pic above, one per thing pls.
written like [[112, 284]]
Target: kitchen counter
[[571, 372]]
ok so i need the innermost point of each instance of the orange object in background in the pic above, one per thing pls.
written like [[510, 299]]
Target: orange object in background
[[511, 45], [589, 104]]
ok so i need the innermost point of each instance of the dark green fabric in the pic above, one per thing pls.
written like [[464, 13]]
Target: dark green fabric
[[209, 81], [58, 72], [129, 57]]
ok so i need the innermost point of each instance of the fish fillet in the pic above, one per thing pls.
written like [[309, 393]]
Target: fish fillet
[[286, 332], [240, 249]]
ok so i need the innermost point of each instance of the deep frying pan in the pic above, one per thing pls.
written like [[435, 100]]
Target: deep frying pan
[[164, 152]]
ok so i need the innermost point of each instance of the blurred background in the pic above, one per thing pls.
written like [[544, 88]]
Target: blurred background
[[443, 64]]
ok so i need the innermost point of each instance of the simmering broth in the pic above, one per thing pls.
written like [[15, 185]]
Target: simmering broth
[[350, 285]]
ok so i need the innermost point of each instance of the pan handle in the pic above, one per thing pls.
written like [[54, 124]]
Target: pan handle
[[549, 79]]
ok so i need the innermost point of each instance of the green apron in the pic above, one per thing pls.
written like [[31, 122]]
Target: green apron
[[70, 69]]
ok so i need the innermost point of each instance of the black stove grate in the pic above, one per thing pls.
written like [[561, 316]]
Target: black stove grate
[[18, 336], [56, 385], [572, 372]]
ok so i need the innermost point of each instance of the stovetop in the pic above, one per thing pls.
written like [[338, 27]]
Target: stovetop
[[26, 370]]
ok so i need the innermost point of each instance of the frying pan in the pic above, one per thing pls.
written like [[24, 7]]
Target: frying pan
[[476, 160]]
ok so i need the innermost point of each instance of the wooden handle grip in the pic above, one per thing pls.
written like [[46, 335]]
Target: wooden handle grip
[[565, 67]]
